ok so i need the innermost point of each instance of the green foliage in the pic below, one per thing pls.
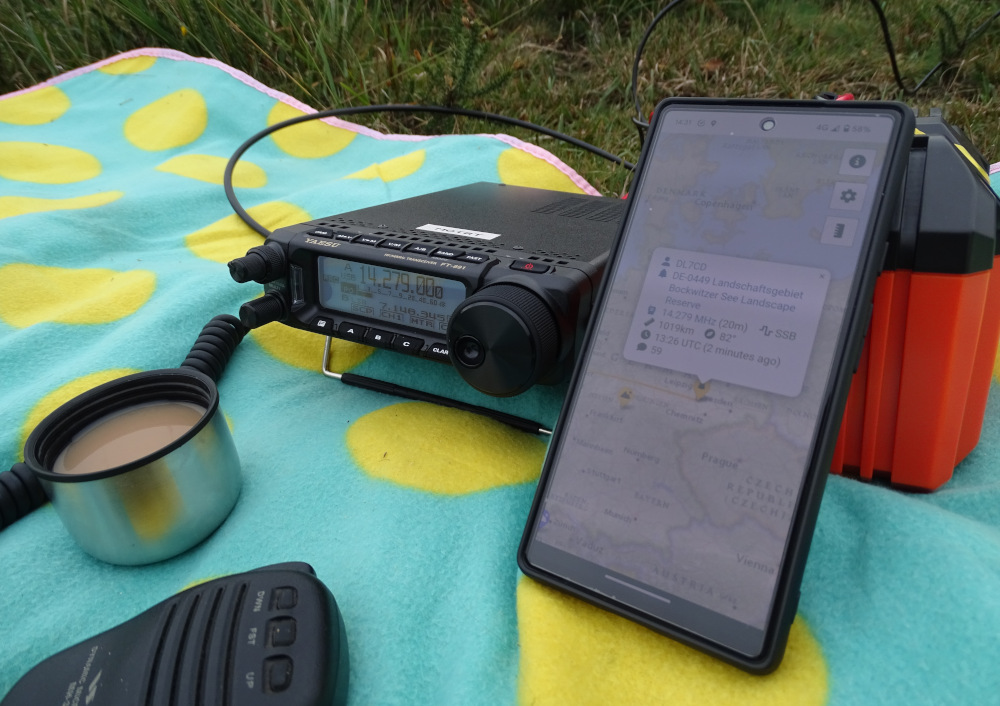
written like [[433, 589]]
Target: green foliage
[[565, 64], [461, 74]]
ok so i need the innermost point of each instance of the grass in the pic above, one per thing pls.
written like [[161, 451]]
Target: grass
[[565, 64]]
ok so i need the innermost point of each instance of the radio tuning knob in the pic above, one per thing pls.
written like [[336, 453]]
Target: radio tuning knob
[[264, 310], [264, 263], [502, 339]]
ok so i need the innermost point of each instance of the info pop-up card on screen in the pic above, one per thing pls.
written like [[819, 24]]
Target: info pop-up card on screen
[[743, 321]]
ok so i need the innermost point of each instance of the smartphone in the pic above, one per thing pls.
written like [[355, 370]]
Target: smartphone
[[684, 476]]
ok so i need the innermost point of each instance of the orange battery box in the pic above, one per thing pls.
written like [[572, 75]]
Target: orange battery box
[[917, 400]]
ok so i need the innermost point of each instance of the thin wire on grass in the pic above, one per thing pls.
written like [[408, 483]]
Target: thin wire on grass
[[642, 124], [974, 34]]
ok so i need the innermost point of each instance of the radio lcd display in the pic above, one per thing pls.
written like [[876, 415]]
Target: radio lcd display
[[388, 295]]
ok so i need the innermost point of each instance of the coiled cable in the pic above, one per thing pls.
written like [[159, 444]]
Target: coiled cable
[[20, 493], [215, 345]]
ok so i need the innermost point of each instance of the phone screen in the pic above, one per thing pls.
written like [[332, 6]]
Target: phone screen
[[672, 483]]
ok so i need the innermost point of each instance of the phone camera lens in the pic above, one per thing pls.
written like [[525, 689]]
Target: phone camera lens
[[767, 124], [469, 351]]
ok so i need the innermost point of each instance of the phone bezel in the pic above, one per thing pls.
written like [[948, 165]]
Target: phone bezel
[[785, 601]]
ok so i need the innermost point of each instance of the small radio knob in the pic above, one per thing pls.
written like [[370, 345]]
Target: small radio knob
[[502, 339]]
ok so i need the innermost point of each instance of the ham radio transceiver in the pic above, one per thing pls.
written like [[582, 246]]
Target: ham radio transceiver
[[496, 280]]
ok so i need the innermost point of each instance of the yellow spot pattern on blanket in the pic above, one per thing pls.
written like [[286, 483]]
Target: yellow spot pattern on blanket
[[490, 455], [309, 140], [128, 66], [229, 237], [35, 107], [519, 168], [20, 205], [175, 120], [65, 393], [302, 349], [33, 294], [392, 169], [210, 169], [575, 653], [41, 163]]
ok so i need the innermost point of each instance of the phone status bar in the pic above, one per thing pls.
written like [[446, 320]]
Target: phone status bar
[[779, 123]]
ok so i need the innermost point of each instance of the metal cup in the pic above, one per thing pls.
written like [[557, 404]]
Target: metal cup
[[154, 507]]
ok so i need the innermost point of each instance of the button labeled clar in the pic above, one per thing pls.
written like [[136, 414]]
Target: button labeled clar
[[437, 351]]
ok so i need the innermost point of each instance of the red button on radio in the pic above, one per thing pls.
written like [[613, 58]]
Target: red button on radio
[[528, 266]]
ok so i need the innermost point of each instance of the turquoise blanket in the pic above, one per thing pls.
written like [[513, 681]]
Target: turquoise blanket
[[114, 234]]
